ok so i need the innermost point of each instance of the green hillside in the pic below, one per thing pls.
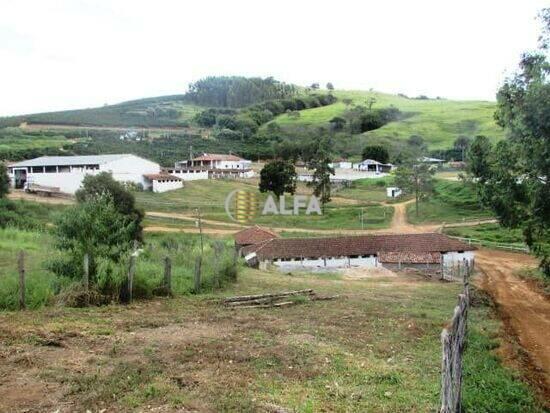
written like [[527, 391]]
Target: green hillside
[[438, 121], [163, 111]]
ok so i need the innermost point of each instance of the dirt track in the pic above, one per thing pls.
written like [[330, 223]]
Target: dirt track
[[525, 311]]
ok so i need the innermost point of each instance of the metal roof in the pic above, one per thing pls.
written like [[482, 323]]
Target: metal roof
[[69, 160]]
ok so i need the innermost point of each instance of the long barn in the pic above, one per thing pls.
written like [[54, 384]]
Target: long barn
[[430, 250]]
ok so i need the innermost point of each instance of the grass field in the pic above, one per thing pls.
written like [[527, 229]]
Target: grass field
[[439, 122], [452, 201], [210, 198], [14, 143], [376, 348], [489, 232]]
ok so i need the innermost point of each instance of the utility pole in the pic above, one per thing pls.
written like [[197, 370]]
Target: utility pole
[[362, 218], [190, 152]]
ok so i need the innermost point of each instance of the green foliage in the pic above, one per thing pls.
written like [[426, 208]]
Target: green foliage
[[415, 179], [4, 181], [513, 176], [321, 177], [123, 200], [17, 144], [278, 177], [376, 152], [237, 91], [95, 227]]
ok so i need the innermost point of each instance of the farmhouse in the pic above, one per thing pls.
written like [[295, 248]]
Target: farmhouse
[[430, 250], [65, 173], [218, 166]]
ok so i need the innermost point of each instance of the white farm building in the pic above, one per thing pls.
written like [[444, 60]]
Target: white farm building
[[65, 173]]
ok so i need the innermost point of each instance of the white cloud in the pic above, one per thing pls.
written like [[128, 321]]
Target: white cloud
[[70, 54]]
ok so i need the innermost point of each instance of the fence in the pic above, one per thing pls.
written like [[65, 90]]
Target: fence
[[493, 244], [456, 270], [165, 286], [453, 340]]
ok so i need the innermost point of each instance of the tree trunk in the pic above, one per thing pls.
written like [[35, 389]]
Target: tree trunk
[[416, 203]]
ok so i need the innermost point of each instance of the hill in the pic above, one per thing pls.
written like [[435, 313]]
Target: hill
[[163, 111], [438, 121]]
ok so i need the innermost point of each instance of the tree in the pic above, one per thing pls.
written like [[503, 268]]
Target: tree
[[513, 176], [278, 177], [415, 179], [123, 200], [321, 178], [4, 181], [479, 157], [371, 100], [337, 123], [376, 152], [314, 86], [347, 101], [461, 143], [330, 86], [95, 227]]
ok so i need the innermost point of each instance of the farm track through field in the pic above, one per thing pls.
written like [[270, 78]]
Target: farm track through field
[[525, 311]]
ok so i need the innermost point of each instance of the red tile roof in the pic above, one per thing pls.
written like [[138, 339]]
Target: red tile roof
[[409, 257], [355, 245], [217, 157], [254, 235], [161, 176]]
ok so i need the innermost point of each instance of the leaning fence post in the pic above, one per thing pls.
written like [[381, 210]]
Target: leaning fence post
[[131, 273], [198, 262], [168, 275], [21, 265]]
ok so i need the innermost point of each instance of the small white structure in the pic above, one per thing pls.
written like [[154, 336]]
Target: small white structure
[[370, 165], [393, 192], [218, 165], [162, 182], [432, 161], [67, 172]]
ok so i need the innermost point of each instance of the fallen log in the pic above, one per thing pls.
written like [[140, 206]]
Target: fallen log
[[272, 295], [283, 304]]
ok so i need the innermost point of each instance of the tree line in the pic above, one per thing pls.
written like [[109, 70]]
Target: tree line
[[237, 91]]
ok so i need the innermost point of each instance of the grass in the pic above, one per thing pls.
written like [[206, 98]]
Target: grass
[[452, 201], [489, 232], [367, 190], [210, 197], [42, 286], [15, 143], [439, 122], [374, 349]]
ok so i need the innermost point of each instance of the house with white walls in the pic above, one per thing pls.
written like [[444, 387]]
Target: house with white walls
[[66, 173], [217, 166], [424, 251]]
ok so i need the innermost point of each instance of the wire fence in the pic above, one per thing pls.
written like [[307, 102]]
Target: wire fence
[[492, 244]]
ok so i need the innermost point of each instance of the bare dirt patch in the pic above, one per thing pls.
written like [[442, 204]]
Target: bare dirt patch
[[525, 311]]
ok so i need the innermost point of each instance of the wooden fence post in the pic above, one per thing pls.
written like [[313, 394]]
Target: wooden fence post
[[168, 275], [198, 263], [21, 267], [86, 279], [131, 273]]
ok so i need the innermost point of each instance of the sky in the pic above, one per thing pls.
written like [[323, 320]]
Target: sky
[[69, 54]]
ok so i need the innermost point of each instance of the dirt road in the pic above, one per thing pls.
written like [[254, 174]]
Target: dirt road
[[525, 311]]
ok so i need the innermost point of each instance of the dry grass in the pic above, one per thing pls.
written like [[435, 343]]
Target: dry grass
[[374, 349]]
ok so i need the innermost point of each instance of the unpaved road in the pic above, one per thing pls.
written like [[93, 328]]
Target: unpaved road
[[524, 310]]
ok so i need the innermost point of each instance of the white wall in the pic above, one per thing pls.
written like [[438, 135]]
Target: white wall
[[130, 168], [163, 186], [332, 262], [453, 257], [190, 175]]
